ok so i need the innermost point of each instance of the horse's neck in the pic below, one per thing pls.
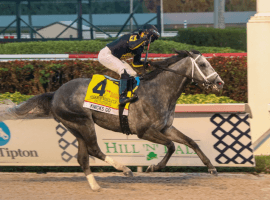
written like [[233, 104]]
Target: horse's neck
[[175, 82], [170, 85]]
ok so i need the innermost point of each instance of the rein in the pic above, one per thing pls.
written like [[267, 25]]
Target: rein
[[206, 82]]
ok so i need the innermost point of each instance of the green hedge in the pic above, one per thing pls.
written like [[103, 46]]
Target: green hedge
[[235, 38], [15, 97], [203, 99], [183, 99], [94, 46], [36, 77]]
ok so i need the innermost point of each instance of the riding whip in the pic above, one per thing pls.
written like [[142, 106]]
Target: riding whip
[[146, 54]]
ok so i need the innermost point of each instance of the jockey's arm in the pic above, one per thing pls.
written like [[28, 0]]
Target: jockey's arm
[[137, 61]]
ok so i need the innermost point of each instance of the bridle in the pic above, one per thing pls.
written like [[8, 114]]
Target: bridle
[[206, 83]]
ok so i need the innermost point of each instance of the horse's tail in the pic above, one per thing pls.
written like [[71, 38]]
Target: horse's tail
[[37, 106]]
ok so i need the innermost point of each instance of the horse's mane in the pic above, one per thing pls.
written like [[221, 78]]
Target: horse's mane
[[166, 63]]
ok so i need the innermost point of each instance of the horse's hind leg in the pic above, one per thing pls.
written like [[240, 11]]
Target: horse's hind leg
[[83, 160], [94, 150], [175, 135], [88, 133]]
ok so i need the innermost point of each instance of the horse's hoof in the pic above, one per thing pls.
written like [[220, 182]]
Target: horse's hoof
[[128, 173], [97, 189], [150, 169], [93, 183], [213, 171]]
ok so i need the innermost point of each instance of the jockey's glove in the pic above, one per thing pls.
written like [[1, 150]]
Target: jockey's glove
[[147, 64], [156, 34], [153, 34]]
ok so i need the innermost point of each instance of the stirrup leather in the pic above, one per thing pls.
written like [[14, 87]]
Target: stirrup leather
[[124, 88]]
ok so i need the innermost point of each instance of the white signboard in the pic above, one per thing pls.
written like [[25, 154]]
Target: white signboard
[[224, 138]]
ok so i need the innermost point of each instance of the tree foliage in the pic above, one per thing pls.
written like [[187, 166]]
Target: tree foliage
[[171, 6], [123, 6], [54, 7]]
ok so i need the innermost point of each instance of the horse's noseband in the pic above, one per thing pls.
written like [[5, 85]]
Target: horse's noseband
[[194, 64], [206, 82]]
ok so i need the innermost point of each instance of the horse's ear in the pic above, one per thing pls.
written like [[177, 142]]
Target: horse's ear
[[179, 51], [189, 54], [195, 51], [182, 53], [176, 51]]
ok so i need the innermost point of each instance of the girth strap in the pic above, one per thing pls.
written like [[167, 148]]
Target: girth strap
[[124, 120]]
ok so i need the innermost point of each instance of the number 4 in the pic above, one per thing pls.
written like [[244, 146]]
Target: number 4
[[100, 91], [133, 38]]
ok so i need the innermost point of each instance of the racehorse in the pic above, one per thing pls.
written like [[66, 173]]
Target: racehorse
[[150, 117]]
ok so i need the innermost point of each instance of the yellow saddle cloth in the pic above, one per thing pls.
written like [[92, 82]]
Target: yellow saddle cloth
[[103, 95]]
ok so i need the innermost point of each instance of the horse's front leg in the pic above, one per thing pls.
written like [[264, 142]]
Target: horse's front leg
[[155, 136], [175, 135]]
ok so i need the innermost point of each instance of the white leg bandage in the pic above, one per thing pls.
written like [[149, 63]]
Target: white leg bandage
[[92, 182], [106, 58], [112, 162]]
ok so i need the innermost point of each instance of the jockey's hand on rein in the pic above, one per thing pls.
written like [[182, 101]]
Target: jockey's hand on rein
[[153, 34], [147, 64], [156, 34]]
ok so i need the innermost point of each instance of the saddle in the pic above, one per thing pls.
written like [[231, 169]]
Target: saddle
[[103, 96]]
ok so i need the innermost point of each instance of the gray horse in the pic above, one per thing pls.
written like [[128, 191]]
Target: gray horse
[[150, 117]]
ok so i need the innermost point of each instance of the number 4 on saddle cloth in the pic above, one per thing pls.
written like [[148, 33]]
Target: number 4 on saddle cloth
[[103, 94]]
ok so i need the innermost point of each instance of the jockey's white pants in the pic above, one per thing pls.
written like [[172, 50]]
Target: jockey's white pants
[[113, 63]]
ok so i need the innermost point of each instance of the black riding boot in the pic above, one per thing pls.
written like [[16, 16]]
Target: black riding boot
[[123, 90]]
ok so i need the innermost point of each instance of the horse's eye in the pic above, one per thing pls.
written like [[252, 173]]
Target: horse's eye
[[202, 65]]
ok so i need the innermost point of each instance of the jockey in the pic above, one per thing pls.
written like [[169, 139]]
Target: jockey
[[127, 45]]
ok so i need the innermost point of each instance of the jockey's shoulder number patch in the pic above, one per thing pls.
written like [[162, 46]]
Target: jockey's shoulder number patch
[[133, 38]]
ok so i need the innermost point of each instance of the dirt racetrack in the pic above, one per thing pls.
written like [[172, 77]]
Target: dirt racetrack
[[142, 186]]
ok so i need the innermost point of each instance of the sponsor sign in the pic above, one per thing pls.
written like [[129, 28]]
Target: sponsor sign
[[4, 134], [224, 138], [5, 138]]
